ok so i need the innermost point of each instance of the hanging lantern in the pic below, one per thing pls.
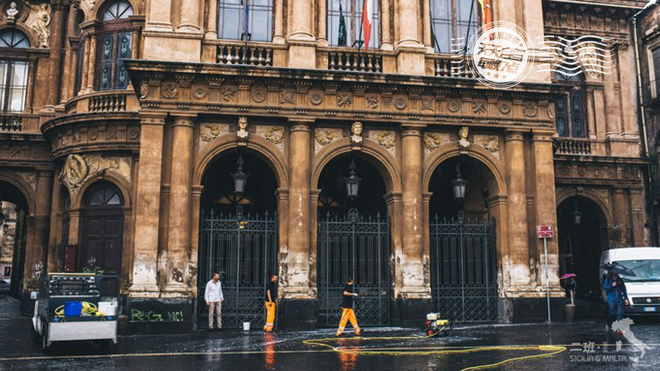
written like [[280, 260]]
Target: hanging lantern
[[240, 178], [577, 215], [352, 182], [459, 185]]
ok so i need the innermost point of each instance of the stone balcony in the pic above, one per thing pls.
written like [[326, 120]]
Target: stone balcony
[[103, 101], [19, 123]]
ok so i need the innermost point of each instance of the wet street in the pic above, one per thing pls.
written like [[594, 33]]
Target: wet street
[[560, 346]]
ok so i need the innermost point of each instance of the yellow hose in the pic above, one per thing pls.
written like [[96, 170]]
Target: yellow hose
[[548, 350], [88, 309]]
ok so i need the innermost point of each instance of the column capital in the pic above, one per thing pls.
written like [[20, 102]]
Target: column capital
[[282, 194], [152, 118], [185, 121], [517, 135], [299, 126], [411, 131]]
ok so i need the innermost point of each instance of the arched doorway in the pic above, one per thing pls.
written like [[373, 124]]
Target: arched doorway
[[582, 232], [102, 229], [462, 241], [238, 235], [353, 240], [13, 236]]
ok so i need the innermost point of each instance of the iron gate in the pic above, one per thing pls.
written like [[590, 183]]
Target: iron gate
[[463, 269], [353, 246], [244, 250]]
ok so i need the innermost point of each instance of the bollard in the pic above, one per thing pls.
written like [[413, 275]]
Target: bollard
[[570, 312]]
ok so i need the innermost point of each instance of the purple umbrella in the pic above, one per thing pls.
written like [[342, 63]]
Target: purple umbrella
[[567, 275]]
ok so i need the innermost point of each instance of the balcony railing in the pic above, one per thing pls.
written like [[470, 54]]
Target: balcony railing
[[11, 123], [241, 55], [103, 101], [352, 60], [572, 146], [456, 66]]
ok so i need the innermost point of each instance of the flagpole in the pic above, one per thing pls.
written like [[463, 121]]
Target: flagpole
[[245, 29], [360, 34]]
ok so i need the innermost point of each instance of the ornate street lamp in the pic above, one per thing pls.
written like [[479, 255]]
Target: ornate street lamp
[[577, 215], [459, 185], [352, 182], [240, 178]]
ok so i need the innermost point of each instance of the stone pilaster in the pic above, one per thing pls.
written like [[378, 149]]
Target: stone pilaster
[[516, 260], [148, 207], [189, 16], [545, 205], [299, 298], [178, 232]]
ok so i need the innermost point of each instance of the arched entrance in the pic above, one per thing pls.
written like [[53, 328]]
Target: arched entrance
[[13, 236], [462, 241], [102, 229], [238, 235], [582, 232], [353, 240]]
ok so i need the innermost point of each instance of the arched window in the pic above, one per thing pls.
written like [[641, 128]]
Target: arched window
[[450, 22], [104, 196], [345, 23], [232, 15], [570, 115], [115, 44], [13, 72]]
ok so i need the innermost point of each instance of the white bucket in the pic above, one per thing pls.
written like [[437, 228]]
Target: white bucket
[[246, 326]]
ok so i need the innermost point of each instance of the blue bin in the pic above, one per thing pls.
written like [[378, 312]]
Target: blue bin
[[72, 308]]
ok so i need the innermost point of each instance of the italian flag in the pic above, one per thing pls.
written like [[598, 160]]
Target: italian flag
[[366, 21]]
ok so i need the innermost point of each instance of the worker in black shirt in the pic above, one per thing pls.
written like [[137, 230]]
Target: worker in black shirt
[[271, 298], [347, 313]]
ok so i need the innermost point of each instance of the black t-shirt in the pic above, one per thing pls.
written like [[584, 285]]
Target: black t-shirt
[[272, 287], [348, 299]]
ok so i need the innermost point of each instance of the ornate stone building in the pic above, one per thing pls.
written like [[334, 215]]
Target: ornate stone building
[[162, 141]]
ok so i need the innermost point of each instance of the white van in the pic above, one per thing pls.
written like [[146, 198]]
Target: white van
[[643, 288]]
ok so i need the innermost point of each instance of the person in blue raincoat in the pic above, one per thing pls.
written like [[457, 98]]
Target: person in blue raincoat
[[617, 297]]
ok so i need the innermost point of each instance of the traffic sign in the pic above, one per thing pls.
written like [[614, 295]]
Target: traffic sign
[[545, 231]]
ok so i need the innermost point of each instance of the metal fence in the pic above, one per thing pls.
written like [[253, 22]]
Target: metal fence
[[463, 269], [243, 248], [358, 247]]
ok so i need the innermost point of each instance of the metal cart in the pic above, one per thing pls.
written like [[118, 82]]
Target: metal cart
[[96, 319]]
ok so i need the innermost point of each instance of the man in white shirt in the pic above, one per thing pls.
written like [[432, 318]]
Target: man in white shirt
[[214, 299]]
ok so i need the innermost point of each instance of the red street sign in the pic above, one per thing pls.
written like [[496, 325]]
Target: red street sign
[[545, 231]]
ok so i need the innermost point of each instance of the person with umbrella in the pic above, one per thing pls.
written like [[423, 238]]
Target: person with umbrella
[[615, 288], [569, 285]]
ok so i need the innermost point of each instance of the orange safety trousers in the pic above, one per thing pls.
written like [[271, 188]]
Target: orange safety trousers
[[348, 314], [270, 316]]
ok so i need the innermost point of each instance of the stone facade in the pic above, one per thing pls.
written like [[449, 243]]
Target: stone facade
[[293, 103]]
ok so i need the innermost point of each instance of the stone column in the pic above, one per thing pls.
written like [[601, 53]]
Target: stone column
[[546, 204], [148, 206], [386, 35], [278, 36], [85, 75], [621, 213], [322, 16], [178, 232], [55, 228], [415, 291], [91, 64], [159, 15], [518, 249], [408, 14], [212, 21], [57, 33], [302, 45], [300, 307], [189, 16], [196, 195], [37, 245]]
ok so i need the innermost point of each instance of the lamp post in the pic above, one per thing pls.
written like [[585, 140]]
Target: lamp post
[[352, 182], [240, 178], [459, 185]]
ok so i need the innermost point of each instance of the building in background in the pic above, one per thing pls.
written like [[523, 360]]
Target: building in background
[[165, 140]]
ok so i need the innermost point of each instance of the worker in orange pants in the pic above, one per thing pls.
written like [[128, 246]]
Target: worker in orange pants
[[271, 297], [347, 313]]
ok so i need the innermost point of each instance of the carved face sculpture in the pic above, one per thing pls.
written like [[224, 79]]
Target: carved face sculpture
[[356, 129], [242, 123], [463, 133]]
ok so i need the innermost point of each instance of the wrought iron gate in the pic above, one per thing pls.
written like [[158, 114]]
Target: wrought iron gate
[[244, 250], [463, 269], [352, 246]]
